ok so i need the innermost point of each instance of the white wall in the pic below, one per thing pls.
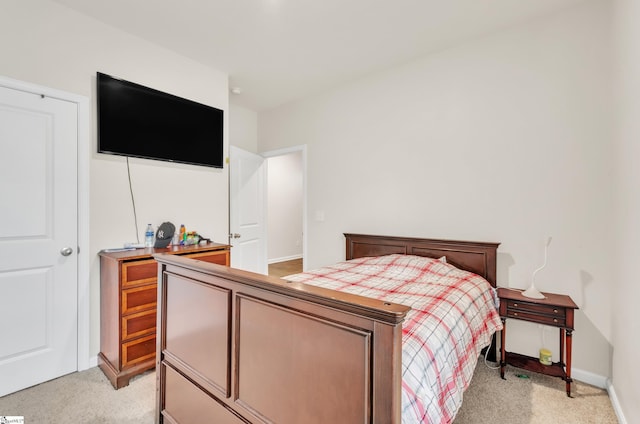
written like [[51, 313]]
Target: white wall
[[284, 205], [284, 192], [504, 138], [626, 324], [243, 128], [47, 44]]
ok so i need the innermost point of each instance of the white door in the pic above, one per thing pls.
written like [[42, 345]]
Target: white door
[[248, 210], [38, 239]]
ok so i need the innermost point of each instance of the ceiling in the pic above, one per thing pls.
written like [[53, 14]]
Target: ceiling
[[277, 51]]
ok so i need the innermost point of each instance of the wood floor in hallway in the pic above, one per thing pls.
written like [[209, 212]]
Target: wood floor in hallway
[[281, 269]]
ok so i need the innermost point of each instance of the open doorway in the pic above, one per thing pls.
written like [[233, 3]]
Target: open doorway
[[286, 204]]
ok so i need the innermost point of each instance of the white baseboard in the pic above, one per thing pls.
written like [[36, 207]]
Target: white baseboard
[[283, 259], [603, 383], [615, 403], [589, 378], [93, 361]]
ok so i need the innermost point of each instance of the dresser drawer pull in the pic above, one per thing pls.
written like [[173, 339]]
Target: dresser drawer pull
[[555, 311], [515, 314], [555, 320], [515, 305]]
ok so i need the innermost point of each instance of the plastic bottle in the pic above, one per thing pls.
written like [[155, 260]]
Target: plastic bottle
[[183, 234], [148, 236]]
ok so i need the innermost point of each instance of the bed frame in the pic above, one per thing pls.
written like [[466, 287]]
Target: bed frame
[[239, 347]]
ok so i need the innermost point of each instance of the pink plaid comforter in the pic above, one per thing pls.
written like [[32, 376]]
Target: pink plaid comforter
[[452, 317]]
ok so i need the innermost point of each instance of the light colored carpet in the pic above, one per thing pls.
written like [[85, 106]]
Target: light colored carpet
[[88, 398], [539, 399], [84, 397]]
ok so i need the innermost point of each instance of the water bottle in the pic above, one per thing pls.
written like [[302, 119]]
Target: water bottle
[[148, 236]]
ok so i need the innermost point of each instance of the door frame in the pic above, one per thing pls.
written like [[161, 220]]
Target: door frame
[[284, 151], [84, 156]]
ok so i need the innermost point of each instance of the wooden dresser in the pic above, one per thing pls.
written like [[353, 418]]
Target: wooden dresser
[[128, 297]]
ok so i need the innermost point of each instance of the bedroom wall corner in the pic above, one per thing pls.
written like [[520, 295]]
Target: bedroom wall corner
[[501, 138], [626, 290]]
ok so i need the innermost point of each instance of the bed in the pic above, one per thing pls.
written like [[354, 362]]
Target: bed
[[237, 347]]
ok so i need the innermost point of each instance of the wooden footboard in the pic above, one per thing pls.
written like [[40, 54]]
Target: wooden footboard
[[237, 347]]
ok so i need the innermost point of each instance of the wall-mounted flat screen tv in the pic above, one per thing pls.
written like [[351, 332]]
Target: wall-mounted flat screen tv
[[138, 121]]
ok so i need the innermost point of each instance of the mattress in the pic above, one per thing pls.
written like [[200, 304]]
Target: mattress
[[453, 316]]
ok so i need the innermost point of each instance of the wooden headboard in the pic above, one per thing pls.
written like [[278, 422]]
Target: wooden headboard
[[476, 257]]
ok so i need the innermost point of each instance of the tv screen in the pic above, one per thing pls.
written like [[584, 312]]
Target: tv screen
[[138, 121]]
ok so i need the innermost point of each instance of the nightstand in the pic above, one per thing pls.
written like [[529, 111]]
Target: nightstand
[[555, 310]]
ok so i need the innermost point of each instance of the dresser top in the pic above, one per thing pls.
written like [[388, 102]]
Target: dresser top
[[148, 252]]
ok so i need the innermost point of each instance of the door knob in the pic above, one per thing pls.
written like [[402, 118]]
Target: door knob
[[234, 235], [66, 251]]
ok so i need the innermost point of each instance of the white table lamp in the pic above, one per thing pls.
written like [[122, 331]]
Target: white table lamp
[[532, 292]]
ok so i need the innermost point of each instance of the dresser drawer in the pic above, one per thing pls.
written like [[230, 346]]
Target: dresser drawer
[[139, 272], [536, 317], [138, 350], [138, 324], [139, 298], [553, 311], [220, 257]]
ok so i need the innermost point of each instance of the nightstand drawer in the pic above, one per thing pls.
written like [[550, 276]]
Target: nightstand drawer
[[536, 317], [550, 310]]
